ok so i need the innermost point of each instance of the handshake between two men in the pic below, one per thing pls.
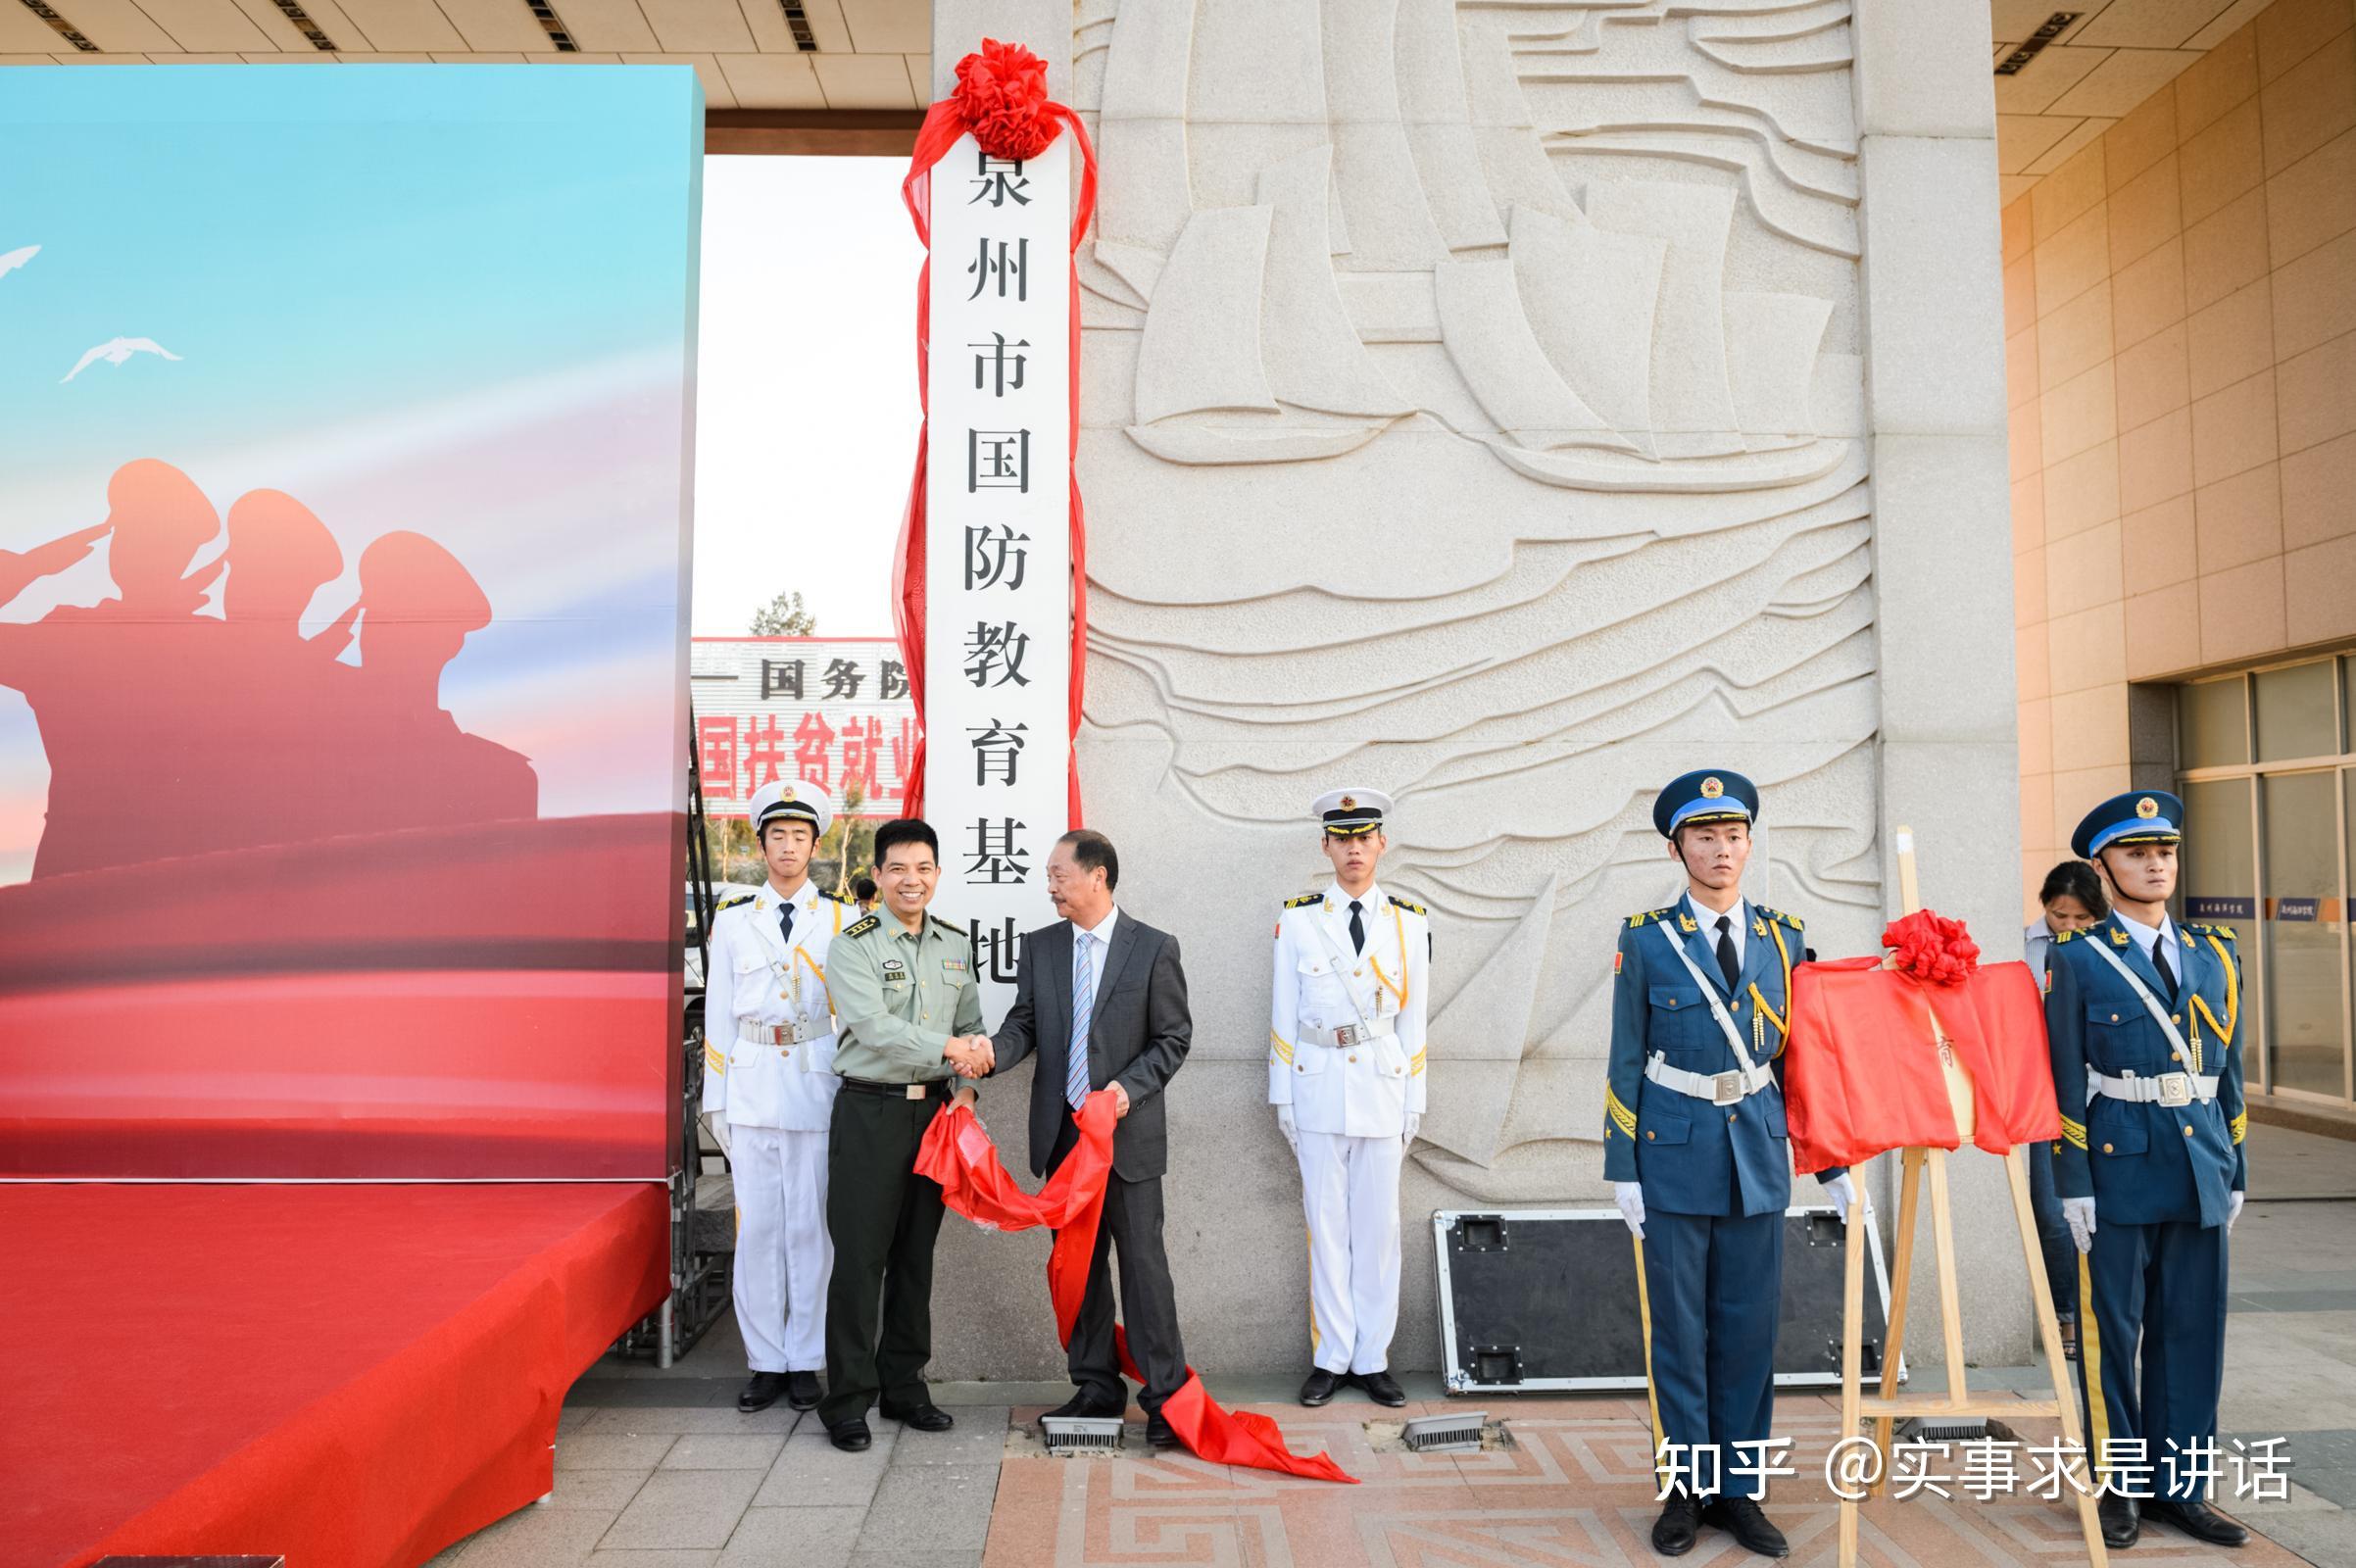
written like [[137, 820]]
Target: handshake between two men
[[974, 1056]]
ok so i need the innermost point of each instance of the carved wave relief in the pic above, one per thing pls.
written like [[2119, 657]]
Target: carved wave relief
[[1472, 410]]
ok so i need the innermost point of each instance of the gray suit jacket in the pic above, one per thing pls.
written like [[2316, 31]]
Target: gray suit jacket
[[1138, 1036]]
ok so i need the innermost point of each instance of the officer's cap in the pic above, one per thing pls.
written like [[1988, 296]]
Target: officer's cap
[[1706, 795], [791, 800], [1347, 813], [2140, 817]]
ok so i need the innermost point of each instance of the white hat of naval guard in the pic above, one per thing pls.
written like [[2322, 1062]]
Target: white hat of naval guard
[[791, 800]]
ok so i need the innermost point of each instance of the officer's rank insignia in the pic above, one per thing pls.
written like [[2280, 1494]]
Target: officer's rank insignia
[[2147, 807], [1711, 789]]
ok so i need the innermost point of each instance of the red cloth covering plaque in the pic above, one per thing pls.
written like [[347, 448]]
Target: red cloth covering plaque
[[1863, 1072]]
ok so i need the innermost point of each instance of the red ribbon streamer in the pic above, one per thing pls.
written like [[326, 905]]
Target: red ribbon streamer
[[959, 1155], [943, 123]]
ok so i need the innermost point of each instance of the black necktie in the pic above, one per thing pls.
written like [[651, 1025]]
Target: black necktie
[[2159, 962], [1357, 928], [1726, 951], [785, 922]]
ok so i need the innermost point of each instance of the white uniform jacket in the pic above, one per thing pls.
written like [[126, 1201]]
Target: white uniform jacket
[[1346, 1034], [768, 1034]]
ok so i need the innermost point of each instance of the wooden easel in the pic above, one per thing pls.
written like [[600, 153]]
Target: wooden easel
[[1889, 1406]]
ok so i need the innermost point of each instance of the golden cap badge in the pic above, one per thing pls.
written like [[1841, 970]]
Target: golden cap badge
[[787, 793], [1711, 788], [1350, 803], [2148, 807]]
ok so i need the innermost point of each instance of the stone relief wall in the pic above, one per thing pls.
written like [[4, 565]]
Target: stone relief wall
[[1472, 408]]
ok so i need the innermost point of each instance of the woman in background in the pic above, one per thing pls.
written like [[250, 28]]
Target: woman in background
[[2072, 900]]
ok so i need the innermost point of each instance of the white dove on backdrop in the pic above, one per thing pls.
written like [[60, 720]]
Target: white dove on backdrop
[[15, 259], [117, 350]]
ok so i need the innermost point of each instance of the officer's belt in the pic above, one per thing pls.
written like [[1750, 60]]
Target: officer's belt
[[775, 1034], [2160, 1089], [1718, 1088], [915, 1091], [1350, 1034]]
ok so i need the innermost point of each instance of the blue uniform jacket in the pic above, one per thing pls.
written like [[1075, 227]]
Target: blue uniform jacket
[[2145, 1163], [1688, 1153]]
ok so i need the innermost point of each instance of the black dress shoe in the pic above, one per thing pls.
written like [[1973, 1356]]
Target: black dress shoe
[[852, 1436], [1089, 1405], [2120, 1523], [1381, 1388], [1319, 1389], [1159, 1433], [924, 1417], [763, 1392], [1679, 1522], [801, 1389], [1743, 1519], [2197, 1520]]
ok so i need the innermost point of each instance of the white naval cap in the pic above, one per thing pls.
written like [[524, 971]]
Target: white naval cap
[[791, 800], [1350, 812]]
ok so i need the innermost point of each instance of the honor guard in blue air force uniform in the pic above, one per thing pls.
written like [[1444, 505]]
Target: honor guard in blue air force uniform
[[2143, 1016], [1347, 1074], [1694, 1146], [768, 1093]]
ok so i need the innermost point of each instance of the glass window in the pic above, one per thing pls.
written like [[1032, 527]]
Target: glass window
[[2304, 941], [2347, 689], [2298, 713], [2221, 884], [2216, 723]]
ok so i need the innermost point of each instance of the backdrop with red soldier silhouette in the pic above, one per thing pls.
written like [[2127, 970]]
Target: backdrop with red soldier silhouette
[[343, 644]]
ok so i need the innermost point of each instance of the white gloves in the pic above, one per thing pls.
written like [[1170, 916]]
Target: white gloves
[[1286, 1126], [717, 1121], [1415, 1120], [1843, 1193], [2078, 1212], [2233, 1208], [1630, 1196]]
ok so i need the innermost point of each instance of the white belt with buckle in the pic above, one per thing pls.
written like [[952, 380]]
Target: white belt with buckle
[[1718, 1088], [775, 1034], [1350, 1034], [2159, 1089]]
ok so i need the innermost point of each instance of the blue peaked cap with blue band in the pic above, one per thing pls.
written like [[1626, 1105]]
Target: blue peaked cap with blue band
[[1706, 795], [2140, 817]]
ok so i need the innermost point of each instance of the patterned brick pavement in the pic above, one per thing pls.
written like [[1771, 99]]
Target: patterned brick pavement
[[1574, 1490]]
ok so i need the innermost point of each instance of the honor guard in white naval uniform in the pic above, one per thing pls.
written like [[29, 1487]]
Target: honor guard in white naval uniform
[[1346, 1073], [768, 1093]]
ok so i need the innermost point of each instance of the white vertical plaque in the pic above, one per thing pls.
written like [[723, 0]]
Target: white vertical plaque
[[998, 544]]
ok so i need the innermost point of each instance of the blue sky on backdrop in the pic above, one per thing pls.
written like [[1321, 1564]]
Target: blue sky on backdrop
[[445, 299]]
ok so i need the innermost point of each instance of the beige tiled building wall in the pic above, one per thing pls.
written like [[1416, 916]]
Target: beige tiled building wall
[[2180, 319]]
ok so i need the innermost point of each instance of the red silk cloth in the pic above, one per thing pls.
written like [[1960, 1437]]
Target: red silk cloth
[[959, 1155], [1863, 1073], [943, 123]]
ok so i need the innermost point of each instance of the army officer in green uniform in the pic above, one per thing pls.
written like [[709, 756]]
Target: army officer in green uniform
[[910, 1016]]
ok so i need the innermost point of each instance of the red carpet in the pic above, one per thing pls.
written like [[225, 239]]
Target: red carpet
[[348, 1375]]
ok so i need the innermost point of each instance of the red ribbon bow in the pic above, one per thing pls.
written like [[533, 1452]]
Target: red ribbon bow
[[1932, 948]]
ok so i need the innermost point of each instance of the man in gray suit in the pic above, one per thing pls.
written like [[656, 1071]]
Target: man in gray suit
[[1103, 978]]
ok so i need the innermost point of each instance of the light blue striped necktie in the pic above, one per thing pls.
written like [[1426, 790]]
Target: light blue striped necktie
[[1083, 1003]]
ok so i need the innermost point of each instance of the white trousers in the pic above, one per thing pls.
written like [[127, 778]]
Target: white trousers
[[1350, 1189], [783, 1253]]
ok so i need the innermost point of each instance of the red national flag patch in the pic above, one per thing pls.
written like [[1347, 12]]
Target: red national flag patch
[[1616, 956]]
